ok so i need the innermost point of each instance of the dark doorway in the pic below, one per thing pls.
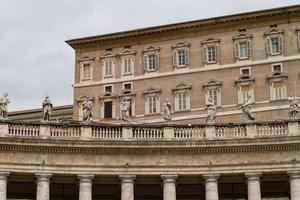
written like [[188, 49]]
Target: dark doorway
[[108, 109]]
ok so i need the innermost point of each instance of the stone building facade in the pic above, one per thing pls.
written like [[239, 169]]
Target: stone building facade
[[222, 59], [225, 58]]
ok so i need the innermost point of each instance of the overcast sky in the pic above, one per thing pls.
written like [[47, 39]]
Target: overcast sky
[[35, 60]]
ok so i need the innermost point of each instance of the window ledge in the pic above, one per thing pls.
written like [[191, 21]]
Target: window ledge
[[152, 114], [127, 74], [279, 100], [108, 76], [182, 111], [86, 79]]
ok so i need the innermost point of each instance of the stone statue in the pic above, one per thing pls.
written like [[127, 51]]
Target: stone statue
[[246, 108], [125, 110], [4, 101], [294, 108], [87, 109], [47, 108], [167, 107], [211, 112]]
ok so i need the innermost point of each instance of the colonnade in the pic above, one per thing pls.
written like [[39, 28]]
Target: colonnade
[[169, 186]]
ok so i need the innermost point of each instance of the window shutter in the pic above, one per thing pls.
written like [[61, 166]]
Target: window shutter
[[187, 56], [204, 54], [156, 60], [248, 49], [298, 39], [236, 50], [268, 46], [145, 63], [175, 55], [280, 43], [217, 53]]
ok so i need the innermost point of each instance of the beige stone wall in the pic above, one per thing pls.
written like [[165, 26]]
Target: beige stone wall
[[227, 76]]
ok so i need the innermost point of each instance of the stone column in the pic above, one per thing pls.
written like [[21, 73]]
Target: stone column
[[85, 187], [169, 186], [43, 186], [253, 182], [3, 185], [294, 184], [211, 186], [127, 187]]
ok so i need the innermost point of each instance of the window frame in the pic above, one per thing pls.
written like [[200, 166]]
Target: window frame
[[151, 51], [269, 35], [277, 64], [86, 61], [184, 47], [239, 39], [208, 43], [245, 68], [151, 92], [213, 85], [131, 85], [245, 80], [108, 85]]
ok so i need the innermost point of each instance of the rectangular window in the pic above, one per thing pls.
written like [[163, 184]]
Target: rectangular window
[[278, 90], [108, 110], [277, 68], [275, 45], [211, 54], [245, 92], [108, 89], [152, 105], [108, 68], [127, 86], [213, 95], [181, 57], [245, 71], [86, 71], [182, 101], [243, 50], [151, 62], [127, 62]]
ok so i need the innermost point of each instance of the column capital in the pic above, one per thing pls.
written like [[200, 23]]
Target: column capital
[[43, 177], [127, 178], [4, 175], [168, 178], [85, 178], [294, 174], [211, 177], [251, 176]]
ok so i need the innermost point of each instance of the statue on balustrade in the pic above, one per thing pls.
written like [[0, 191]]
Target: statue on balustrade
[[47, 108], [246, 108], [211, 111], [294, 108], [167, 108], [4, 101], [125, 109], [87, 109]]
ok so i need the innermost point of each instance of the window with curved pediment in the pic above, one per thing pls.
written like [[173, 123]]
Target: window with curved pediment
[[210, 50], [181, 54], [277, 83], [182, 96], [108, 66], [274, 42], [213, 91], [152, 100], [151, 59], [242, 46], [86, 68], [245, 88], [127, 61]]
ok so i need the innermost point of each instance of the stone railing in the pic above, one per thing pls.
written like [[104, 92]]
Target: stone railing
[[96, 131]]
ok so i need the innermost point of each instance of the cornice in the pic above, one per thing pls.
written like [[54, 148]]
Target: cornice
[[153, 147], [230, 19]]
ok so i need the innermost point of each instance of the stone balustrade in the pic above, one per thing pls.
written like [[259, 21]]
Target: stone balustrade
[[99, 131]]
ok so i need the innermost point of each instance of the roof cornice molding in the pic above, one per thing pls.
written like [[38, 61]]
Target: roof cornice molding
[[280, 12]]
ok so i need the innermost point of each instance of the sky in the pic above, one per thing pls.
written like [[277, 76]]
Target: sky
[[35, 61]]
